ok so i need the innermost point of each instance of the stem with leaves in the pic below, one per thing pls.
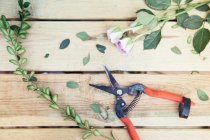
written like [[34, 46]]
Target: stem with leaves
[[13, 34]]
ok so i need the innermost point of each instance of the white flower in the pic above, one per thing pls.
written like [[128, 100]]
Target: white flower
[[114, 34], [125, 45]]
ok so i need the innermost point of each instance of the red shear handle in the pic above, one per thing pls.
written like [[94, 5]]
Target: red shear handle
[[165, 95], [131, 129]]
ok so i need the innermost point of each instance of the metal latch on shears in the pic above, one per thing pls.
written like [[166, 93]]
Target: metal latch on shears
[[137, 90]]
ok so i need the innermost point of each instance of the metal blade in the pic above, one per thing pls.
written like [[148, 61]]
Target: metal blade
[[104, 88], [111, 78]]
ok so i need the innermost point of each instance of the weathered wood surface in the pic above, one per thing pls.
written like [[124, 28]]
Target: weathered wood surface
[[19, 107], [45, 37], [80, 9], [119, 134]]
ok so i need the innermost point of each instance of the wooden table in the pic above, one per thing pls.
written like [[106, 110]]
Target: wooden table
[[25, 117]]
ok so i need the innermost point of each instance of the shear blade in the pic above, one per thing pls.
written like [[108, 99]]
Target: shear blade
[[111, 78], [103, 88]]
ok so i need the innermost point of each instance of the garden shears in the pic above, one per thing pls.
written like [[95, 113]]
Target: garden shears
[[137, 90]]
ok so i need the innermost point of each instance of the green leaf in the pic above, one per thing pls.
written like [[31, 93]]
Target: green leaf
[[96, 133], [46, 55], [177, 1], [86, 135], [158, 4], [100, 48], [176, 50], [68, 110], [96, 108], [11, 50], [31, 87], [174, 26], [73, 113], [15, 62], [20, 2], [22, 60], [78, 119], [26, 4], [32, 79], [189, 39], [72, 84], [147, 19], [25, 26], [203, 8], [54, 106], [145, 10], [64, 44], [202, 95], [201, 39], [181, 18], [87, 125], [55, 98], [83, 36], [86, 59], [208, 18], [15, 28], [5, 22], [152, 40], [193, 22], [188, 1]]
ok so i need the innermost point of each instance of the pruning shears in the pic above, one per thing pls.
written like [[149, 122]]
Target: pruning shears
[[137, 90]]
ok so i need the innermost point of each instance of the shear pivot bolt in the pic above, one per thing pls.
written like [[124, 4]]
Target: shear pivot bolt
[[119, 92], [122, 104]]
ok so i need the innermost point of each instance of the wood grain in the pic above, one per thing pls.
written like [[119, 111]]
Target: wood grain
[[119, 134], [80, 9], [45, 37], [20, 107]]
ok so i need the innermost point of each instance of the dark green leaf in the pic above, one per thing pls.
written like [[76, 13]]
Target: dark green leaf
[[208, 18], [188, 1], [201, 39], [26, 4], [64, 44], [72, 84], [158, 4], [86, 59], [96, 108], [100, 48], [203, 8], [32, 79], [46, 55], [15, 28], [11, 50], [181, 18], [152, 40], [193, 22], [177, 1], [145, 10], [202, 95], [176, 50], [20, 2], [83, 36]]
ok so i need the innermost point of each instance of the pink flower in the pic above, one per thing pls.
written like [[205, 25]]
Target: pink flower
[[114, 34], [125, 45]]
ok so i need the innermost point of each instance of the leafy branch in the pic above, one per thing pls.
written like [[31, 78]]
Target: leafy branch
[[150, 25], [13, 34]]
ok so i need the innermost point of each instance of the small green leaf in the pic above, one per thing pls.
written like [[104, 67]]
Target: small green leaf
[[72, 84], [83, 36], [176, 50], [22, 60], [95, 108], [152, 40], [177, 1], [181, 18], [145, 10], [87, 125], [78, 119], [46, 55], [201, 39], [73, 113], [64, 44], [15, 62], [86, 135], [32, 79], [208, 18], [202, 95], [188, 1], [147, 19], [175, 26], [54, 106], [11, 50], [96, 133], [68, 110], [55, 98], [86, 59], [100, 48], [20, 2], [31, 87], [203, 8], [193, 22], [158, 4], [25, 26], [189, 39], [26, 4]]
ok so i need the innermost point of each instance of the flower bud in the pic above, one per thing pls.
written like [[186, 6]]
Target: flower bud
[[114, 34], [125, 45]]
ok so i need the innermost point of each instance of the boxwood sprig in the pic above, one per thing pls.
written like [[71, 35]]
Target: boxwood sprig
[[13, 34]]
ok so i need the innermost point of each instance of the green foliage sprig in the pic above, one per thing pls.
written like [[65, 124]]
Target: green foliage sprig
[[150, 25], [13, 34]]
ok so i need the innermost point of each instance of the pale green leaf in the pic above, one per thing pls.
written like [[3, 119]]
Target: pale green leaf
[[54, 106], [83, 36], [86, 59], [96, 108], [72, 84], [202, 95], [176, 50], [11, 50]]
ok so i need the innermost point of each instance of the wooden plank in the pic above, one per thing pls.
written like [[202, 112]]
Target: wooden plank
[[20, 108], [119, 134], [45, 37], [80, 9]]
